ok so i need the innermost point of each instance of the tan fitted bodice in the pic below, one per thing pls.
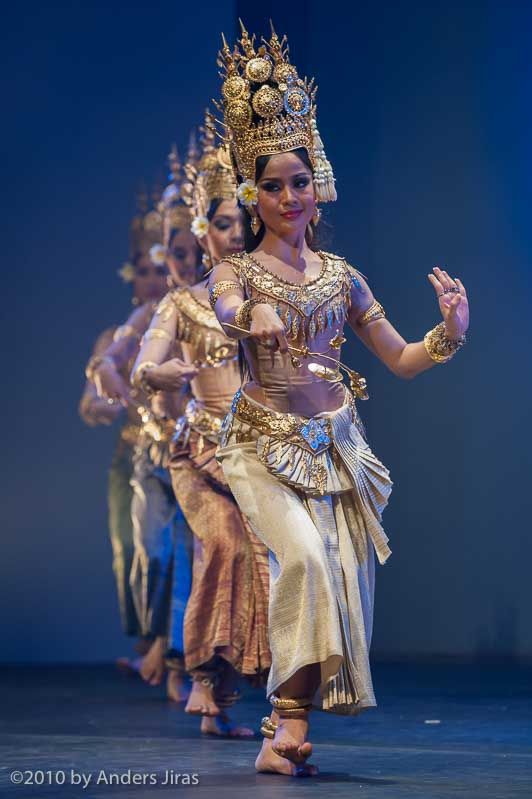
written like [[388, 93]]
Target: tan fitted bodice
[[312, 314], [204, 343]]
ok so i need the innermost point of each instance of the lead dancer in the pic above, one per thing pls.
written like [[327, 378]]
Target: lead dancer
[[293, 449]]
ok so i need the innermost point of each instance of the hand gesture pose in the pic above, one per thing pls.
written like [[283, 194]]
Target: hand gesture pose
[[453, 302], [111, 385], [171, 375], [267, 328]]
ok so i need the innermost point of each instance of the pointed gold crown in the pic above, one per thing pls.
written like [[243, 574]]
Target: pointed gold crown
[[175, 213], [269, 109], [147, 225], [210, 175]]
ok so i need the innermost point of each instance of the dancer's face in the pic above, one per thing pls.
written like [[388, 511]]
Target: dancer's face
[[182, 258], [286, 200], [149, 282], [226, 234]]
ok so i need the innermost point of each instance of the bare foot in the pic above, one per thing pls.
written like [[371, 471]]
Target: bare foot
[[176, 687], [289, 740], [152, 668], [271, 763], [201, 701], [223, 727]]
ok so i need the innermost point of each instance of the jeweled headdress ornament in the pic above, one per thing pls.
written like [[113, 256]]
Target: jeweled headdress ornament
[[146, 231], [174, 212], [268, 109], [208, 177]]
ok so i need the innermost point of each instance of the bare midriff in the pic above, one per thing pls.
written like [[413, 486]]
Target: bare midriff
[[283, 387], [214, 387]]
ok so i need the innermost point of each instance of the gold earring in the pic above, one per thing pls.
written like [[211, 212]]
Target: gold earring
[[256, 222], [317, 216], [135, 301]]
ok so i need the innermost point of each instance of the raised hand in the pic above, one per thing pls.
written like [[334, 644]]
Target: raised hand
[[452, 299]]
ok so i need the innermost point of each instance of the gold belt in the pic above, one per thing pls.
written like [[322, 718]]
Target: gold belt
[[312, 433], [202, 421]]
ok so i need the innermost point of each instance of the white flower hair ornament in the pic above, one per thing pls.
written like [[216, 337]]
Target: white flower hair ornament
[[200, 226], [158, 255], [248, 194], [127, 272]]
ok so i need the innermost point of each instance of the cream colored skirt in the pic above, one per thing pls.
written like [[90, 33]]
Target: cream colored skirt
[[314, 497]]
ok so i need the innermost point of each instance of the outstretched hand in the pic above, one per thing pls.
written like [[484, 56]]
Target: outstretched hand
[[452, 299]]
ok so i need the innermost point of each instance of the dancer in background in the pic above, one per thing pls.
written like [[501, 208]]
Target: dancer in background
[[293, 449], [226, 617], [148, 281], [159, 530]]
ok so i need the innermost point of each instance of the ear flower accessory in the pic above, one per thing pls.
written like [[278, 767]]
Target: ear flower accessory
[[127, 272], [157, 254], [200, 226], [247, 193]]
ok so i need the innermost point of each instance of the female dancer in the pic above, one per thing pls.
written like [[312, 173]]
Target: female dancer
[[158, 525], [293, 450], [148, 281], [225, 628]]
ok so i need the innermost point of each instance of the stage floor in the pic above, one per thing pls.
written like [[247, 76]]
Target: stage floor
[[60, 723]]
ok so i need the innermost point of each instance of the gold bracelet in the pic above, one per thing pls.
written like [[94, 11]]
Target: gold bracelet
[[220, 288], [94, 364], [125, 331], [243, 313], [156, 332], [139, 376], [374, 312], [440, 348]]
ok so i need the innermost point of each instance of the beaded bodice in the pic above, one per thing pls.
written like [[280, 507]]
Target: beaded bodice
[[203, 342], [312, 314], [306, 309]]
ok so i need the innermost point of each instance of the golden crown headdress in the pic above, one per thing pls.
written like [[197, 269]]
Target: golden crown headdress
[[268, 109], [175, 213], [145, 232], [208, 177]]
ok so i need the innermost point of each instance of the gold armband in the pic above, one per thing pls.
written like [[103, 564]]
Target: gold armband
[[125, 331], [220, 288], [439, 346], [243, 313], [374, 312], [138, 378], [155, 333], [94, 364]]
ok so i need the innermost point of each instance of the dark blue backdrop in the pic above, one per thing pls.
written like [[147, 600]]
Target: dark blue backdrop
[[425, 113]]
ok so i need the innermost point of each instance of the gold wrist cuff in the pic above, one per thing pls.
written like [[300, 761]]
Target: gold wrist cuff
[[94, 364], [156, 333], [243, 313], [220, 288], [440, 348], [138, 378], [374, 312]]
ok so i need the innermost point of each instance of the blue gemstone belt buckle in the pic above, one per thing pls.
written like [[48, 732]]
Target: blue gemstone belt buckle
[[316, 433]]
